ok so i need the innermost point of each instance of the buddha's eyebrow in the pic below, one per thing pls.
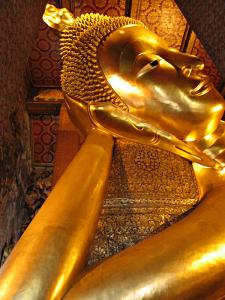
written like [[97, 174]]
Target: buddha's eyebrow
[[180, 59]]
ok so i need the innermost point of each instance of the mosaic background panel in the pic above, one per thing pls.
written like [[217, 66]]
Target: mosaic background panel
[[44, 134], [148, 189], [164, 18], [210, 68]]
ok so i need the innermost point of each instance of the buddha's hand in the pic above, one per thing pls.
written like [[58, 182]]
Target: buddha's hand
[[120, 123], [116, 122]]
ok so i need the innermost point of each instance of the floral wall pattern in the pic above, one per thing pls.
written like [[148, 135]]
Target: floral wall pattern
[[107, 7], [44, 61], [210, 68], [164, 18], [44, 129], [206, 18]]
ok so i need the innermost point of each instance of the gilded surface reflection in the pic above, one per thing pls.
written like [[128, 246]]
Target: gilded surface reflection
[[121, 80]]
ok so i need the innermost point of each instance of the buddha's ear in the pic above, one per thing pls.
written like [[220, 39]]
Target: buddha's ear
[[57, 18]]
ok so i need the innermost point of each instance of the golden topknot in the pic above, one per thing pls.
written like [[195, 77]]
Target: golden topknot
[[82, 77]]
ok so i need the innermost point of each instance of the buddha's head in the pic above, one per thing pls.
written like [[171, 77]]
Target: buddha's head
[[119, 62]]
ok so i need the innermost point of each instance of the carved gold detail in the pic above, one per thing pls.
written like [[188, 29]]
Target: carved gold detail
[[148, 190], [82, 77], [57, 18]]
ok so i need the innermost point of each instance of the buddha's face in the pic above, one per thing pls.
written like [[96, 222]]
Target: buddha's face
[[162, 86]]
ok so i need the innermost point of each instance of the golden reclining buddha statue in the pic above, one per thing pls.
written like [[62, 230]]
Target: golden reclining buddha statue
[[122, 81]]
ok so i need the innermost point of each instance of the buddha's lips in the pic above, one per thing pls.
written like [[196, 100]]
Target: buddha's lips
[[205, 84]]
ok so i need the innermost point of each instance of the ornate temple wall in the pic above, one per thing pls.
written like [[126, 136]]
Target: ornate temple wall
[[19, 24], [20, 21], [207, 20]]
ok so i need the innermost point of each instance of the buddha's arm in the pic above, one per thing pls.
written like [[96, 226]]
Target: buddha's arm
[[53, 249], [120, 123], [185, 261]]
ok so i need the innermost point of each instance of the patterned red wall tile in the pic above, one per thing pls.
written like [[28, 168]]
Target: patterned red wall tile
[[107, 7], [210, 68], [164, 18], [44, 129], [44, 61], [206, 18]]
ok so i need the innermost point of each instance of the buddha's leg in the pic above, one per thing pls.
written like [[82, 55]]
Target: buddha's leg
[[53, 249], [185, 261]]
